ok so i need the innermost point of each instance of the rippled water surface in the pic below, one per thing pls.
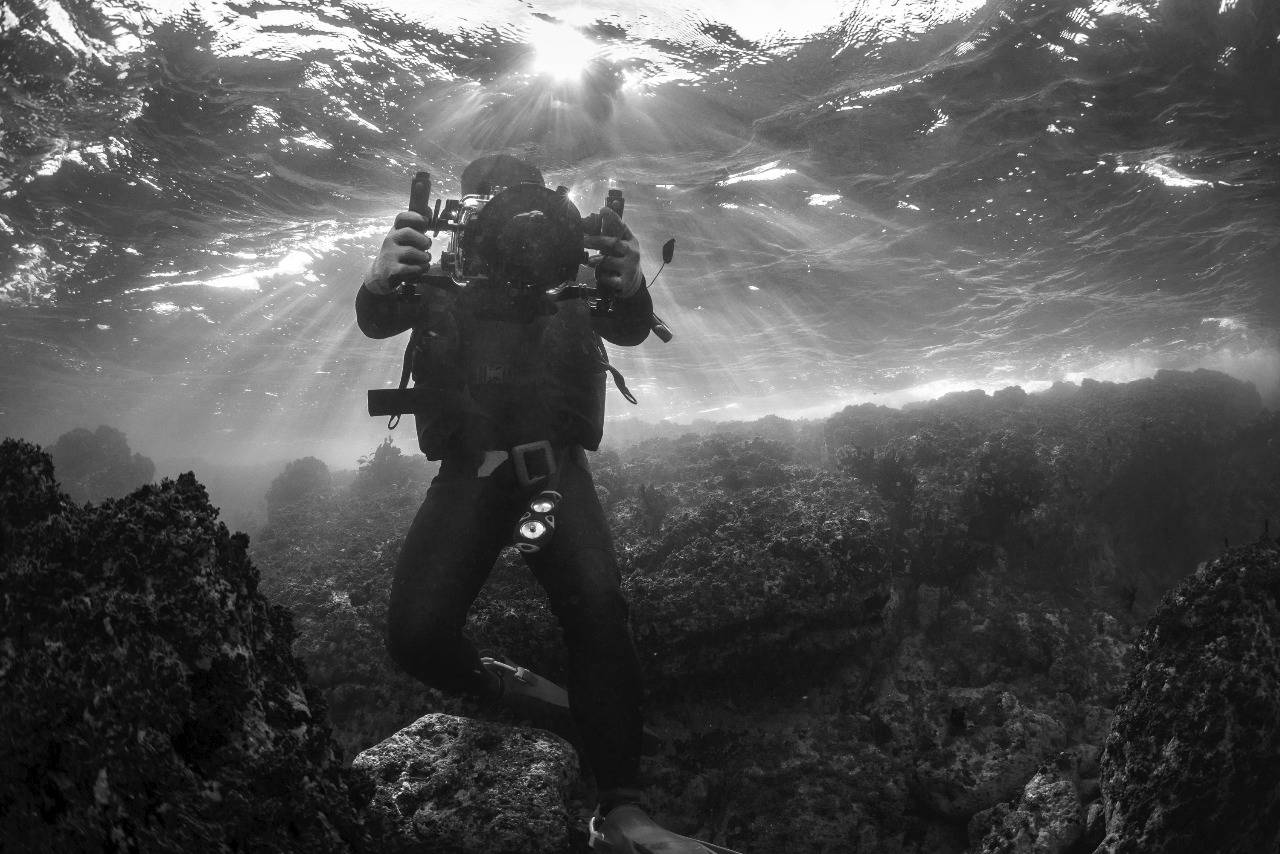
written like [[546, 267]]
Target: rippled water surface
[[874, 201]]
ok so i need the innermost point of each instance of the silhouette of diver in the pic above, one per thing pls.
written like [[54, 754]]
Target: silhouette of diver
[[514, 405]]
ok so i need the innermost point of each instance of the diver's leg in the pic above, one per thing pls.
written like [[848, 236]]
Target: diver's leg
[[579, 571], [448, 553]]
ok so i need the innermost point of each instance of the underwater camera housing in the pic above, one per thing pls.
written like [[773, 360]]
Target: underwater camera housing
[[509, 255]]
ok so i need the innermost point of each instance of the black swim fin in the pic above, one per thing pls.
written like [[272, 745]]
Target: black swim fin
[[544, 703], [531, 698]]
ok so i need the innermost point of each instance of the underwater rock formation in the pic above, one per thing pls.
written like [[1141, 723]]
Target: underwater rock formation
[[447, 784], [1190, 764], [150, 698], [985, 759], [918, 649], [742, 586], [98, 464], [1049, 817], [1122, 487], [886, 647]]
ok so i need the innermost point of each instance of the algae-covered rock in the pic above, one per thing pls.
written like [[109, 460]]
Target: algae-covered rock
[[1190, 764], [977, 748], [449, 784], [150, 700], [1118, 487], [1000, 681], [1049, 818], [28, 492], [759, 584], [859, 644]]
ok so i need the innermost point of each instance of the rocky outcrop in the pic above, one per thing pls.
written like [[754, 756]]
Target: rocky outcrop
[[447, 784], [890, 653], [1050, 816], [982, 747], [1190, 764], [919, 649], [1122, 487], [741, 585], [150, 700]]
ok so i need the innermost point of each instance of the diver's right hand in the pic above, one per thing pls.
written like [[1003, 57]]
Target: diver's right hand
[[403, 254]]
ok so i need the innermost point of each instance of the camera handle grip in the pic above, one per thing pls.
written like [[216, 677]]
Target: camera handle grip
[[604, 306], [420, 195], [419, 203]]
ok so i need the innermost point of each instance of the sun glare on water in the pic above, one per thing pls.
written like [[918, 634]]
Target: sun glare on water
[[560, 51]]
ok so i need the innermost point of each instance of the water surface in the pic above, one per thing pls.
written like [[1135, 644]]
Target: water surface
[[873, 201]]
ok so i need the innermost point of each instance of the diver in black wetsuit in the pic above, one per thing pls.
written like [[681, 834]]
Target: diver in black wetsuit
[[512, 403]]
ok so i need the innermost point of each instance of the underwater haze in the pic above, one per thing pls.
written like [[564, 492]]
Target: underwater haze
[[878, 201]]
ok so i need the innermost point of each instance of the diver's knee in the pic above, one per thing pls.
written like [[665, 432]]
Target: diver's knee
[[597, 599], [414, 644], [608, 604]]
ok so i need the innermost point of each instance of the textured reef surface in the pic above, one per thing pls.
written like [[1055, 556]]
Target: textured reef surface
[[151, 700], [893, 630], [991, 623], [1190, 759], [447, 783]]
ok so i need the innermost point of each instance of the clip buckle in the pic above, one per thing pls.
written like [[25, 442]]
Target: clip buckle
[[520, 459]]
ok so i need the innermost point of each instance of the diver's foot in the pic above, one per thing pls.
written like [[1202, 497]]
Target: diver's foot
[[545, 704], [627, 829]]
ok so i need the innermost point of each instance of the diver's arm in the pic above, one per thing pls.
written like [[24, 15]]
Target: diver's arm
[[383, 315], [380, 313]]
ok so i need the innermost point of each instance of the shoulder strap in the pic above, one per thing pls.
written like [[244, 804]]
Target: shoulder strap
[[406, 371]]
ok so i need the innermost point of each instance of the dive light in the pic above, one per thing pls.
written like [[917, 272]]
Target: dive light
[[538, 523]]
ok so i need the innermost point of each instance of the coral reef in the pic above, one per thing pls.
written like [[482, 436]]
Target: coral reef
[[912, 638], [151, 701], [1190, 762], [301, 480], [884, 641], [98, 464], [1122, 487], [449, 785], [1049, 817]]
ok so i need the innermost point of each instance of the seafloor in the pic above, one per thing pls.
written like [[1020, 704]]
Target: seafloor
[[972, 625]]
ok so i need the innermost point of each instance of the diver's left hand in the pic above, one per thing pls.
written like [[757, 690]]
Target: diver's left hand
[[618, 264]]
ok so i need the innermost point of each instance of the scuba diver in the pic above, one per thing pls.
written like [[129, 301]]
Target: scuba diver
[[508, 396]]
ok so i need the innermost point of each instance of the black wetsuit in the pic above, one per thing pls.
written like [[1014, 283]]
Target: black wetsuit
[[497, 385]]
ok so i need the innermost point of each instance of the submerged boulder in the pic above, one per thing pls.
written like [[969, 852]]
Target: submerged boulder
[[1190, 763], [150, 700], [1049, 818], [452, 784]]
